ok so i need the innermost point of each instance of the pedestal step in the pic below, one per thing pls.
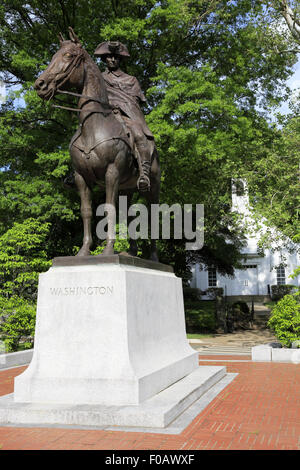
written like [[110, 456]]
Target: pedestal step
[[157, 411]]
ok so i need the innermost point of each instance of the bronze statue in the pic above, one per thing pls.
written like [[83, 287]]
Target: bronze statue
[[125, 96], [102, 149]]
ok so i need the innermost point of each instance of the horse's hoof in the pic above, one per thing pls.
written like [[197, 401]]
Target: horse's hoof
[[83, 252], [154, 257], [108, 252]]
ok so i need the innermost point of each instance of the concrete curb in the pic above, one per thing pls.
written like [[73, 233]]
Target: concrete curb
[[265, 353], [19, 358]]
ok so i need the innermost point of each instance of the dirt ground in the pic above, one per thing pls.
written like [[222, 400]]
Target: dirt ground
[[258, 334], [241, 338]]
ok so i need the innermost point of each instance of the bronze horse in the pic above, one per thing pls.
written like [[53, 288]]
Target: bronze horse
[[100, 149]]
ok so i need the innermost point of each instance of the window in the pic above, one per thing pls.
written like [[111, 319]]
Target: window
[[280, 275], [212, 277], [250, 266]]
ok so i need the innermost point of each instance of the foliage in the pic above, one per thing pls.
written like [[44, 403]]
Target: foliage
[[17, 323], [280, 291], [212, 71], [22, 257], [205, 61], [274, 180], [274, 184], [290, 11], [241, 306], [191, 296], [285, 320], [120, 244], [201, 319], [295, 273]]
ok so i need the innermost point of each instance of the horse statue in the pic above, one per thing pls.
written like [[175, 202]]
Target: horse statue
[[100, 150]]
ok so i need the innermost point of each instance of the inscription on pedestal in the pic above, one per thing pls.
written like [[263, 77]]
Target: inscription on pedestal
[[82, 290]]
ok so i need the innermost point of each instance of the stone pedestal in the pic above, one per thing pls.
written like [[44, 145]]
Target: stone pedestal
[[110, 349], [109, 331]]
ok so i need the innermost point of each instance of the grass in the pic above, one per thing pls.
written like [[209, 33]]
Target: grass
[[271, 304], [198, 335]]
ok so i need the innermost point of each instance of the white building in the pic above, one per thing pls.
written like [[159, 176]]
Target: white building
[[261, 270]]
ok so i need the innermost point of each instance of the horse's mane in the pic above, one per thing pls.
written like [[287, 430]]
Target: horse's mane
[[98, 83], [98, 76]]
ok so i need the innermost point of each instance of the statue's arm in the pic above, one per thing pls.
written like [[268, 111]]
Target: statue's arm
[[137, 91]]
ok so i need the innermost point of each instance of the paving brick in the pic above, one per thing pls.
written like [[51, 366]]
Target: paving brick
[[259, 410]]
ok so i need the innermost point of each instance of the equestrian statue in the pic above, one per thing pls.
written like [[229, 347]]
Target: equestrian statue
[[113, 146]]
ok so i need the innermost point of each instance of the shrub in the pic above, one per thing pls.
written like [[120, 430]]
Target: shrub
[[285, 320], [241, 306], [17, 323], [191, 296], [201, 319], [278, 292]]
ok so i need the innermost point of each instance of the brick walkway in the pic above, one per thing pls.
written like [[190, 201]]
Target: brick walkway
[[260, 409]]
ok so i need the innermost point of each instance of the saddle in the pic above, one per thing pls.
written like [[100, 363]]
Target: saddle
[[121, 133]]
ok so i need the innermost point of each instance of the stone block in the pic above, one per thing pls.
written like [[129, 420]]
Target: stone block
[[261, 352], [106, 333], [155, 412], [19, 358], [283, 355]]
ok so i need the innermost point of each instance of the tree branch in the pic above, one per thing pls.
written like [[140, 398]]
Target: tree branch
[[290, 17]]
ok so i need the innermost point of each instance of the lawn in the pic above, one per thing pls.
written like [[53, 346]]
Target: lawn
[[198, 335]]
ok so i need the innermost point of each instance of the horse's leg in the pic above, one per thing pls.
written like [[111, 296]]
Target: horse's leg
[[112, 185], [133, 248], [153, 198], [86, 214]]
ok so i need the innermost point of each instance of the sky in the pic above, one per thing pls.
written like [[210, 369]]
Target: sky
[[294, 83]]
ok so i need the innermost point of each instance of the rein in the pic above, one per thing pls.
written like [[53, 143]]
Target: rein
[[105, 105], [75, 63], [106, 109]]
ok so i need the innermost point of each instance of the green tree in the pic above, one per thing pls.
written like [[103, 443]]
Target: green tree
[[207, 65], [290, 11], [17, 323], [22, 258], [274, 183]]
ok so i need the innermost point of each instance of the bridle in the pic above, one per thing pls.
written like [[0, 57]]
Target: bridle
[[106, 108]]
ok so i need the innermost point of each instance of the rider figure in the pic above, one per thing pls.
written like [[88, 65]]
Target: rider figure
[[125, 96]]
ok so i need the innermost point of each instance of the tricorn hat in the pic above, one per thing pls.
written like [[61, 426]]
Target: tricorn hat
[[112, 47]]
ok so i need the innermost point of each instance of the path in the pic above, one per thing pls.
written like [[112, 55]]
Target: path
[[239, 342], [259, 409]]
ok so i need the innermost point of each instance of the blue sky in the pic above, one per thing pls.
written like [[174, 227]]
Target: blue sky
[[294, 83]]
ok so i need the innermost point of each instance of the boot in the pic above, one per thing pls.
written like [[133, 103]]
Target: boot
[[143, 182]]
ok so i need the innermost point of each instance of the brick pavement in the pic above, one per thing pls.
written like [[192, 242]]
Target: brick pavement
[[260, 409]]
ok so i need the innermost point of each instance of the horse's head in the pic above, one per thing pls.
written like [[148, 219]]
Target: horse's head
[[66, 68]]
